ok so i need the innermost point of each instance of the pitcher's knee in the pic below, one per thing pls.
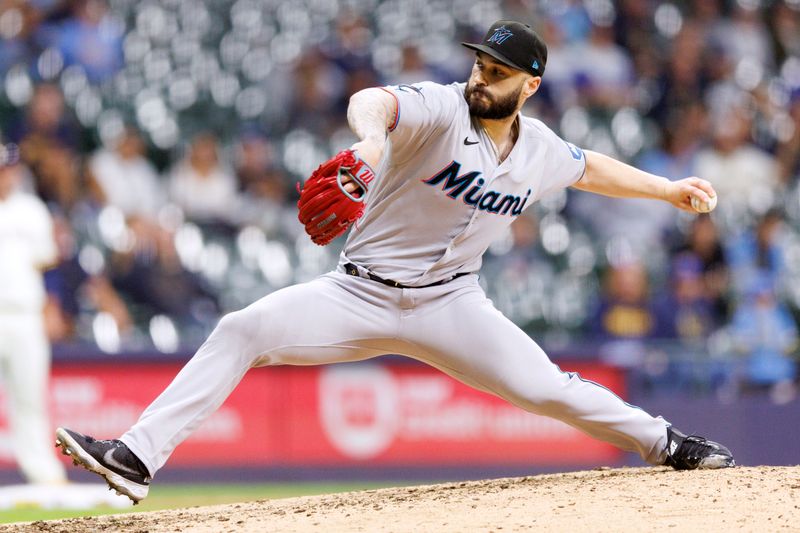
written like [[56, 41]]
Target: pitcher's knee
[[545, 399], [541, 405], [235, 330]]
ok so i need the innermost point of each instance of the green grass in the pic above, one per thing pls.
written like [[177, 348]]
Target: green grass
[[177, 496]]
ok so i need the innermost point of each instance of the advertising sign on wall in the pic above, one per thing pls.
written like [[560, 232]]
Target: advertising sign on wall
[[338, 415]]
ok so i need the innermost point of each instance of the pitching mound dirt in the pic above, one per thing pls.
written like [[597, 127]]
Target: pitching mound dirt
[[628, 499]]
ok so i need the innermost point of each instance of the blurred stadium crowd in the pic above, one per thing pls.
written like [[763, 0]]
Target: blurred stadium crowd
[[167, 136]]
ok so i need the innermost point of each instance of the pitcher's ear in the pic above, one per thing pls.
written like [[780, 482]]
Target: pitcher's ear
[[531, 86]]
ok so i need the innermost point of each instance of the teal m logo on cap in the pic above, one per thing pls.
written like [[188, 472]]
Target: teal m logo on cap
[[500, 35], [535, 65]]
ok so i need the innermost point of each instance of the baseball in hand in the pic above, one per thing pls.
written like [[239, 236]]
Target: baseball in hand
[[704, 207]]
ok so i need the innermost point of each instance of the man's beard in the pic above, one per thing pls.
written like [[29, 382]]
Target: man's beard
[[495, 109]]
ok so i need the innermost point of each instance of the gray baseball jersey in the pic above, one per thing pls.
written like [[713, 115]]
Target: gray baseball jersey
[[442, 196], [439, 199]]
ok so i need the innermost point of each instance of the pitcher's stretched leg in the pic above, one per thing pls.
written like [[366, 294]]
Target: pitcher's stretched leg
[[465, 336], [334, 318]]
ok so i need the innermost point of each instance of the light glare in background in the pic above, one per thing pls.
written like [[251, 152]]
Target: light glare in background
[[273, 260], [50, 63], [189, 245], [73, 82], [668, 20], [164, 334], [106, 332], [10, 23], [555, 234], [18, 86], [91, 260]]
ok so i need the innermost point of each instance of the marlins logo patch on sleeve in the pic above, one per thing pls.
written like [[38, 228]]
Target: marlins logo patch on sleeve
[[410, 88], [577, 153]]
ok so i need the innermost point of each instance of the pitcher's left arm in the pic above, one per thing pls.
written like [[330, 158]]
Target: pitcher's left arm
[[607, 176]]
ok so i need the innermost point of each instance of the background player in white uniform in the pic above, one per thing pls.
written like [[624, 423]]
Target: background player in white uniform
[[26, 247], [455, 165]]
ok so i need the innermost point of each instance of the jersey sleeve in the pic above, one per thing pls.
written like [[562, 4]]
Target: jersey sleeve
[[423, 109], [566, 164]]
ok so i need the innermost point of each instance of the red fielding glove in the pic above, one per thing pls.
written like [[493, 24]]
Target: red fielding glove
[[326, 209]]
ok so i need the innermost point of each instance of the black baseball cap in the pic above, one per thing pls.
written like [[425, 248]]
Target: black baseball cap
[[514, 44]]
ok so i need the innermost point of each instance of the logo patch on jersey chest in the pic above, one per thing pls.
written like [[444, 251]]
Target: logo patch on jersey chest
[[470, 188]]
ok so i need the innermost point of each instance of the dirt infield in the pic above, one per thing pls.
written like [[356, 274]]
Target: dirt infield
[[628, 499]]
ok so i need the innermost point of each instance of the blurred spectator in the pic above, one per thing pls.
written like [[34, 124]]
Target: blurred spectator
[[519, 272], [26, 248], [357, 79], [744, 36], [22, 18], [704, 245], [634, 25], [125, 178], [608, 87], [684, 78], [572, 19], [45, 123], [72, 290], [784, 24], [256, 170], [624, 310], [758, 254], [764, 331], [58, 178], [350, 51], [625, 318], [201, 186], [156, 282], [414, 68], [686, 312], [683, 130], [319, 87], [686, 316], [644, 236], [744, 176], [788, 151], [91, 38], [48, 139], [263, 185], [557, 91], [674, 159], [350, 44]]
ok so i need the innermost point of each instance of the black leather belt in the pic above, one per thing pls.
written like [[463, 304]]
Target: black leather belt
[[352, 270]]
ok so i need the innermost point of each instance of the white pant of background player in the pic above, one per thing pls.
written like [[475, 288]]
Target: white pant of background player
[[25, 366], [338, 317]]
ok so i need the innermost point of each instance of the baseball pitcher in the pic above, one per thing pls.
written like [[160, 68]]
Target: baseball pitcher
[[439, 172]]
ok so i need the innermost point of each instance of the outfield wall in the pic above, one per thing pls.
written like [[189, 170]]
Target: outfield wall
[[389, 416]]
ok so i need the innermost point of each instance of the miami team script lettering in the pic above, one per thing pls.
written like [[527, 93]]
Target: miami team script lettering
[[470, 187]]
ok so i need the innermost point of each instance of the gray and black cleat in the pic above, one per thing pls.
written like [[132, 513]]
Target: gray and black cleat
[[111, 459], [691, 452]]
